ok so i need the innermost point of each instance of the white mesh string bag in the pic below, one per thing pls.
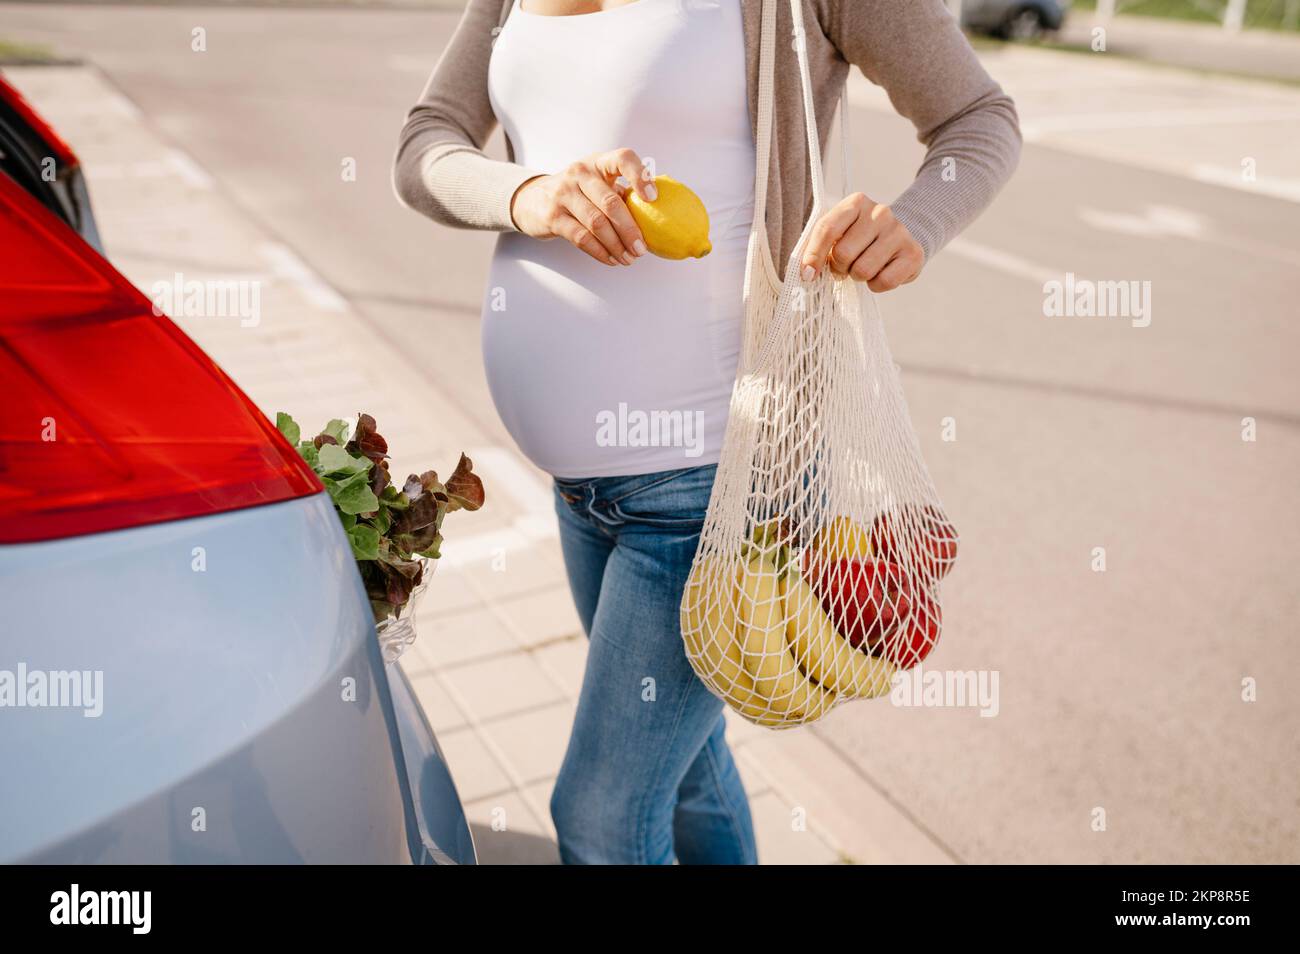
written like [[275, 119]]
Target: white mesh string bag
[[818, 570]]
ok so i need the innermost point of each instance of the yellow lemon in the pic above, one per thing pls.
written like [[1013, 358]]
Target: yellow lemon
[[675, 225]]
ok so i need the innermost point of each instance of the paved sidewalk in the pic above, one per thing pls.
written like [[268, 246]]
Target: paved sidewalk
[[1270, 54], [1235, 133], [500, 657]]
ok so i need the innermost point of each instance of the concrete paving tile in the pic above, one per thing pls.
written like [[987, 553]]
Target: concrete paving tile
[[740, 731], [538, 796], [448, 639], [506, 832], [752, 775], [412, 663], [542, 617], [533, 742], [782, 840], [448, 592], [501, 685], [566, 660], [514, 571], [476, 773], [439, 708], [867, 826]]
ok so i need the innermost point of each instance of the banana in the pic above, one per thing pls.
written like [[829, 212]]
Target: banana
[[782, 688], [824, 654], [709, 631]]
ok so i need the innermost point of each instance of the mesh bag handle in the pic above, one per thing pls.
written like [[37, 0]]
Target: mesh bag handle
[[766, 86]]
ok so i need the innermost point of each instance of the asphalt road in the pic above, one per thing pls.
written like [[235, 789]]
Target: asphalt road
[[1120, 691]]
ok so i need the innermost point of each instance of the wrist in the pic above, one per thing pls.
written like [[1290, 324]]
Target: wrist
[[514, 199]]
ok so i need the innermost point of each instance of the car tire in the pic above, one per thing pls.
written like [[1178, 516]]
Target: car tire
[[1023, 23]]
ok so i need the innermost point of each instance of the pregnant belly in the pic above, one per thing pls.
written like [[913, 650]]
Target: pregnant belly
[[571, 346]]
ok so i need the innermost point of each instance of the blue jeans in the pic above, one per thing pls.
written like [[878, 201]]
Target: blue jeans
[[648, 777]]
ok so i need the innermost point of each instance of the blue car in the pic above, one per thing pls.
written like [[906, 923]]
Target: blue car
[[189, 671], [1014, 19]]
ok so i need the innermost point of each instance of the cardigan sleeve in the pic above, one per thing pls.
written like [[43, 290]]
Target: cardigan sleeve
[[915, 50], [440, 169]]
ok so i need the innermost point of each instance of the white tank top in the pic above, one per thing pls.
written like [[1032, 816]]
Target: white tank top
[[600, 371]]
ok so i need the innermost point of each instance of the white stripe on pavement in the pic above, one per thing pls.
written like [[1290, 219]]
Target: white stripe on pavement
[[1006, 262], [119, 104], [173, 163], [189, 170], [1034, 129], [287, 266], [1272, 186], [410, 64]]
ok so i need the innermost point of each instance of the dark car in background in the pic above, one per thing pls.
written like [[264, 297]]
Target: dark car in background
[[1014, 19]]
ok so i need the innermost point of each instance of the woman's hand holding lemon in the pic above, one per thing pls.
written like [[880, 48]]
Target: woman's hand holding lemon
[[861, 239], [580, 204], [676, 225]]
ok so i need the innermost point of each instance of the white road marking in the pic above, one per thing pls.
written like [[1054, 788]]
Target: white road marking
[[287, 266], [1159, 221], [119, 104], [173, 163], [1162, 221], [410, 64], [1272, 186], [527, 487], [1006, 262], [1042, 126], [189, 170], [531, 495], [121, 170]]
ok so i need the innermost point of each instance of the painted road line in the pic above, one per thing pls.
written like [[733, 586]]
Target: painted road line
[[1005, 262], [1272, 186], [411, 64], [118, 104], [1157, 221], [189, 170], [287, 266], [1163, 221], [1043, 126], [172, 164]]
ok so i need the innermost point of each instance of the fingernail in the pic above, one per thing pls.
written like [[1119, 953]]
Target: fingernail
[[627, 258], [613, 260], [622, 182], [809, 273], [639, 247], [651, 192]]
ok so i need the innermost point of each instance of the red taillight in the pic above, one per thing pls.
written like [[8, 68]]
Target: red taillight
[[58, 148], [110, 416]]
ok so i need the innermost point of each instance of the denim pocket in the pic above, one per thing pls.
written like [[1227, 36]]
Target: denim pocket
[[677, 499]]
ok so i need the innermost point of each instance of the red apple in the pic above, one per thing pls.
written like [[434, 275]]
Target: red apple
[[927, 533], [865, 599], [912, 641]]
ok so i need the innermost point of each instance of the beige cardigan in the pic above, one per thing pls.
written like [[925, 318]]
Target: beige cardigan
[[912, 48]]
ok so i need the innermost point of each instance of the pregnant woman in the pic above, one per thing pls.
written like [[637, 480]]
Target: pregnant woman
[[613, 368]]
